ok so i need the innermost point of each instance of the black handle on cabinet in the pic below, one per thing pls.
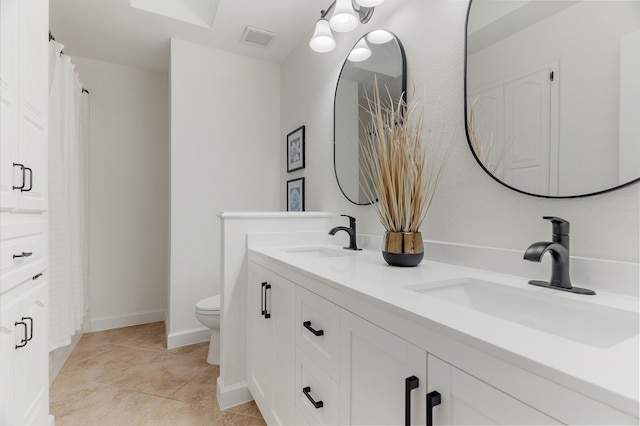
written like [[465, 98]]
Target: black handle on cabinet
[[30, 328], [24, 254], [38, 275], [23, 178], [410, 383], [262, 305], [23, 341], [30, 181], [307, 325], [317, 404], [267, 314], [433, 399]]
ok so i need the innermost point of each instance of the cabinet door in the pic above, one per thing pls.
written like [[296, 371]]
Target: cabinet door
[[33, 114], [466, 400], [32, 361], [9, 312], [271, 345], [259, 344], [281, 308], [24, 375], [374, 368], [9, 104]]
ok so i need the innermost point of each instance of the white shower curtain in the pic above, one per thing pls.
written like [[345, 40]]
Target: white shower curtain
[[68, 199]]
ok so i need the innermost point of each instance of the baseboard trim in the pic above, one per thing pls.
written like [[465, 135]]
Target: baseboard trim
[[188, 337], [136, 318], [231, 396]]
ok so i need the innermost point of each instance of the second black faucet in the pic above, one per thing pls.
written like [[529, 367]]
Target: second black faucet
[[351, 230]]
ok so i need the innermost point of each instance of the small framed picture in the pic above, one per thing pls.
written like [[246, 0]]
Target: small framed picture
[[295, 195], [295, 150]]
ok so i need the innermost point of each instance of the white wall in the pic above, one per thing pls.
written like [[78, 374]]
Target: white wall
[[469, 208], [129, 193], [225, 155]]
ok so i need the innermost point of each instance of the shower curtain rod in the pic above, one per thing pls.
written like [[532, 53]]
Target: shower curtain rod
[[51, 37]]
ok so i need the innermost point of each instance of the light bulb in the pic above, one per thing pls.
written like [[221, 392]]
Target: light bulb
[[369, 3], [344, 18], [322, 40], [360, 51], [379, 36]]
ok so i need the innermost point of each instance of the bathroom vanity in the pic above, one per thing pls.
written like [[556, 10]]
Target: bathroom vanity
[[339, 337]]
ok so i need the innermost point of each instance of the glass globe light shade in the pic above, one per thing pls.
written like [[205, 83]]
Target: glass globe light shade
[[322, 40], [360, 52], [344, 18], [379, 37]]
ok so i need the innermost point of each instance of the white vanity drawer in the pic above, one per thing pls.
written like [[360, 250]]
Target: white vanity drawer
[[19, 258], [318, 330], [322, 391]]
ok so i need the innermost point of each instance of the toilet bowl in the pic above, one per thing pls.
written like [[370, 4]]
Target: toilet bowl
[[208, 313]]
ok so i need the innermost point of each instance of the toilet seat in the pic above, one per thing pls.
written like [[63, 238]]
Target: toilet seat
[[209, 304]]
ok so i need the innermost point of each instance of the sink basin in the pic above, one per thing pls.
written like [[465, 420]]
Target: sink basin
[[319, 251], [590, 324]]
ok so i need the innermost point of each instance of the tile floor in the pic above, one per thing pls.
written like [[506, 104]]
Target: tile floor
[[127, 376]]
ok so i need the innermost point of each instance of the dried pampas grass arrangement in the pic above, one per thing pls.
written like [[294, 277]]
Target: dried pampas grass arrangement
[[400, 172]]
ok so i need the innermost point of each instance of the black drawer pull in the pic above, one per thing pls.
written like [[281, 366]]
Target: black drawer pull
[[267, 314], [317, 404], [35, 277], [30, 181], [24, 254], [410, 383], [30, 328], [307, 325], [23, 178], [433, 399], [23, 341]]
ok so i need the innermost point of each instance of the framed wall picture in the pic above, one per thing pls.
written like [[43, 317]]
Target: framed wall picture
[[295, 150], [295, 195]]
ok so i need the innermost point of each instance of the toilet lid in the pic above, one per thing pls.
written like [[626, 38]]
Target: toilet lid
[[209, 304]]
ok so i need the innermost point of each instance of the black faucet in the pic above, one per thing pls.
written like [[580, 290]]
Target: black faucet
[[558, 248], [351, 230]]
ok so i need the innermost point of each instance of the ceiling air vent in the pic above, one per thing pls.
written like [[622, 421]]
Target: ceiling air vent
[[257, 37]]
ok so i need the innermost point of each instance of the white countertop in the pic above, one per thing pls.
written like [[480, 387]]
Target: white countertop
[[611, 372]]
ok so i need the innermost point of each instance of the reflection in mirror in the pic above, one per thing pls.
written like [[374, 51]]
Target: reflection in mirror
[[378, 55], [553, 93]]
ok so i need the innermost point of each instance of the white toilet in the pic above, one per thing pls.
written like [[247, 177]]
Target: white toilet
[[208, 313]]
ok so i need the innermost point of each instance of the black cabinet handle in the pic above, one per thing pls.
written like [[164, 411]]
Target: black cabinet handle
[[317, 404], [30, 328], [23, 179], [30, 181], [433, 399], [35, 277], [262, 305], [23, 341], [307, 325], [24, 254], [267, 314], [410, 383]]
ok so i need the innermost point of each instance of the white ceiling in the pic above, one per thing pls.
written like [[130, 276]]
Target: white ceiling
[[113, 31]]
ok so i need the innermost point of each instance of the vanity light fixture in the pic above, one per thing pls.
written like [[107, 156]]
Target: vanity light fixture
[[345, 18]]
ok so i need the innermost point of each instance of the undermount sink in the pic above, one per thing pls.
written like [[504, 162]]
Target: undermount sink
[[586, 323], [319, 251]]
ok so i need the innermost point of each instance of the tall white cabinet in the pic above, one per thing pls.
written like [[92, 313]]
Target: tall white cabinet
[[24, 382]]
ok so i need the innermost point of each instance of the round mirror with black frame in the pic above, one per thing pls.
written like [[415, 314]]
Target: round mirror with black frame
[[377, 56], [552, 94]]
